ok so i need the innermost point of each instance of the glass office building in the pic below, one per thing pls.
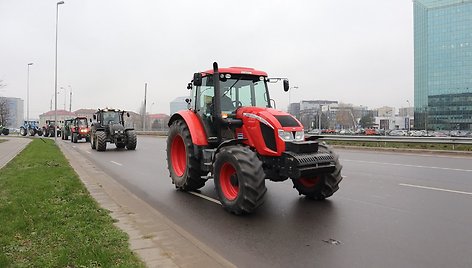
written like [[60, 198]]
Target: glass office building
[[443, 64]]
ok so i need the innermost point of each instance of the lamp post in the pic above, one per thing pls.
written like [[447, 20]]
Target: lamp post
[[27, 93], [70, 98], [55, 74], [289, 94], [65, 97], [408, 115], [319, 117]]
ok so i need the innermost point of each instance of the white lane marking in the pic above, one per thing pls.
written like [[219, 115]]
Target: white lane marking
[[88, 152], [435, 189], [406, 165], [116, 163], [73, 146], [206, 197]]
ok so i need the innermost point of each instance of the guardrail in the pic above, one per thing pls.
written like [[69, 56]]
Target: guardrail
[[399, 139]]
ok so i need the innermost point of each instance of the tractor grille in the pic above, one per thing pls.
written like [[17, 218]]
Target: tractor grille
[[308, 159], [287, 121], [269, 136]]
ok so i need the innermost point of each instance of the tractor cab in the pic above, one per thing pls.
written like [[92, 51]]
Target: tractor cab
[[216, 98]]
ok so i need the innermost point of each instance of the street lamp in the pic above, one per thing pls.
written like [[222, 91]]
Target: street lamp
[[27, 93], [55, 74], [65, 97], [289, 93], [408, 115], [70, 98]]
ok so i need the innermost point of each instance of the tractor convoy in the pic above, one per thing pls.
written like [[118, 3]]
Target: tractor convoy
[[231, 133]]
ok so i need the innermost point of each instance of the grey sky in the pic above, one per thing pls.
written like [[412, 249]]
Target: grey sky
[[358, 52]]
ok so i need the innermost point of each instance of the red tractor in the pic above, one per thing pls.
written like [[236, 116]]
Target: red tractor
[[232, 133]]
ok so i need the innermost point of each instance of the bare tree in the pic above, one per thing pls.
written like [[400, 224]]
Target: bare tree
[[4, 111]]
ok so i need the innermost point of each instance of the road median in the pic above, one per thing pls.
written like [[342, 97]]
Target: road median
[[48, 218]]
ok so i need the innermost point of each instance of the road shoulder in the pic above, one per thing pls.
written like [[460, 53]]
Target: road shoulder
[[11, 148], [158, 241]]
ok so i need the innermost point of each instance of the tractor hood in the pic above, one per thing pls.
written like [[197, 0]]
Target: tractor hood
[[117, 128], [273, 118], [268, 130]]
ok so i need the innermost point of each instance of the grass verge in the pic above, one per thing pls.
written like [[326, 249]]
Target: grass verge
[[48, 218], [403, 145]]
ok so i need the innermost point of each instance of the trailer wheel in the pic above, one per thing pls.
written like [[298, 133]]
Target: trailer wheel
[[239, 179], [183, 165], [101, 141], [322, 186]]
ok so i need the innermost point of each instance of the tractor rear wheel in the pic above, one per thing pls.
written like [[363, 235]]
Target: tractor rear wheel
[[132, 140], [101, 141], [23, 131], [40, 132], [322, 186], [31, 132], [183, 165], [45, 132], [239, 179]]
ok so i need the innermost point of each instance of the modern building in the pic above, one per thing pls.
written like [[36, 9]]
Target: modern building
[[443, 64], [13, 112], [178, 104]]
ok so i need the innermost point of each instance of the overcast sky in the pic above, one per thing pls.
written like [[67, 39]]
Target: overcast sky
[[358, 52]]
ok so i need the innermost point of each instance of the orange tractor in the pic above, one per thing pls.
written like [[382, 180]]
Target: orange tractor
[[231, 133]]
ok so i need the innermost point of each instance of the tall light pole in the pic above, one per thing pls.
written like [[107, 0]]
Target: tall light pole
[[55, 74], [27, 93], [70, 98], [65, 97], [408, 115]]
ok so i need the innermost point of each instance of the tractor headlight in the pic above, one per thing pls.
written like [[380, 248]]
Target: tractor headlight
[[291, 136]]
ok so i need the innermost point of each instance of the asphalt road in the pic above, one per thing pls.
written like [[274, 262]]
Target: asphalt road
[[392, 210]]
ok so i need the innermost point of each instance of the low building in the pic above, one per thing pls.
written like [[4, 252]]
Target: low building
[[158, 121], [62, 115]]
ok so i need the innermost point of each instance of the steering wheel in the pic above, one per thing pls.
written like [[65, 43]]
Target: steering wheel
[[237, 104]]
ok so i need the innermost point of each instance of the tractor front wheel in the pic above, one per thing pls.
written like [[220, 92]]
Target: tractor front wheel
[[322, 186], [132, 140], [183, 165], [101, 141], [239, 179]]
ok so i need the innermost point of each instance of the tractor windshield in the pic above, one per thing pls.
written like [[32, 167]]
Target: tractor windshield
[[236, 91], [82, 122], [111, 117]]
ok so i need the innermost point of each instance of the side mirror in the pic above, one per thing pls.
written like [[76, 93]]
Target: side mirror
[[197, 79], [94, 117], [127, 114], [188, 101], [189, 86], [90, 120], [286, 85]]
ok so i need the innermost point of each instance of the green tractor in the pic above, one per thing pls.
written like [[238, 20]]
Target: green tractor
[[109, 126], [65, 130]]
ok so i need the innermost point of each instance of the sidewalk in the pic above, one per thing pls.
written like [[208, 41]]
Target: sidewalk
[[10, 148], [154, 238]]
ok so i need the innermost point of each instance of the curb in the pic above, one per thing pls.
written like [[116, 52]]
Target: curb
[[153, 237]]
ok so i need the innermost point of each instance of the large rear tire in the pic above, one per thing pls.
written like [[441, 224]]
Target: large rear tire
[[239, 179], [101, 141], [322, 186], [183, 165], [132, 140], [45, 132], [23, 131]]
